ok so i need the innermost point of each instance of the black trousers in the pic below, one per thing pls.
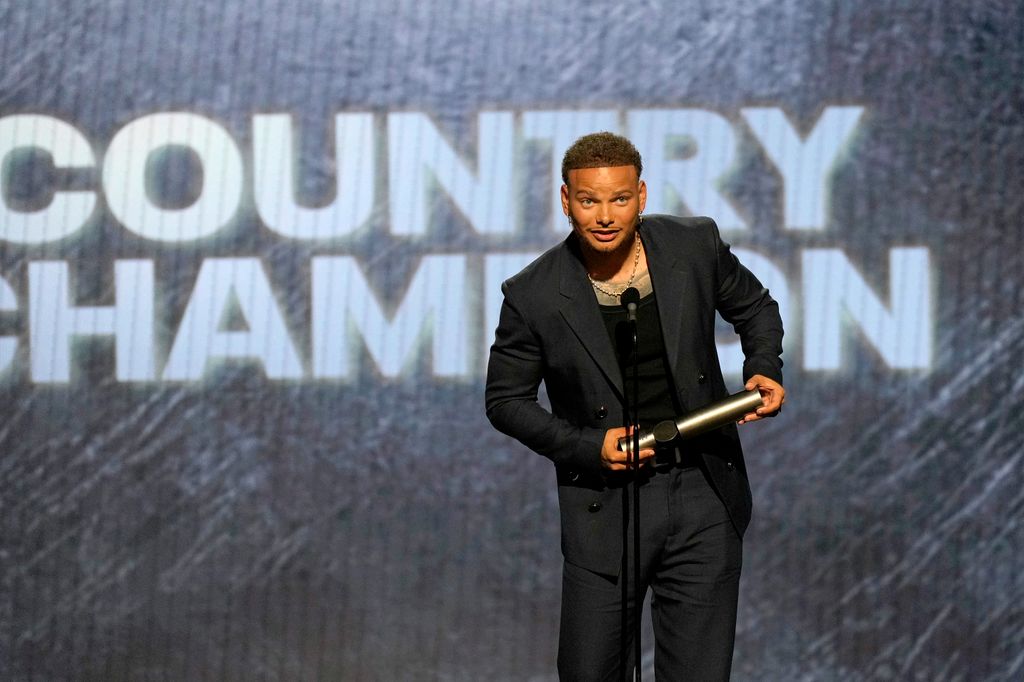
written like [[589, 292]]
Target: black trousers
[[690, 557]]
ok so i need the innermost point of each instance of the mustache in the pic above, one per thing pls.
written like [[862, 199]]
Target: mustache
[[638, 219]]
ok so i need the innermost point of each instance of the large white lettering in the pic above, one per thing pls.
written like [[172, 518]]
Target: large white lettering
[[686, 153], [68, 210], [900, 333], [53, 321], [434, 305], [124, 176], [447, 315], [450, 306], [222, 283], [806, 164], [276, 167], [486, 198]]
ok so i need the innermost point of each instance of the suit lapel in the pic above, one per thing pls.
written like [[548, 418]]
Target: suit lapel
[[581, 312], [668, 278]]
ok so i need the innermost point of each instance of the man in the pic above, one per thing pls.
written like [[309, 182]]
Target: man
[[562, 323]]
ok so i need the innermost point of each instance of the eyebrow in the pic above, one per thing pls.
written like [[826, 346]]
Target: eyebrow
[[617, 192]]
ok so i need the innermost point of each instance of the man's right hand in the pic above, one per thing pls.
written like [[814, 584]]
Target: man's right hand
[[614, 459]]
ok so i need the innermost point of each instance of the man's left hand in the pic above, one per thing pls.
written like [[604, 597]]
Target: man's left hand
[[772, 395]]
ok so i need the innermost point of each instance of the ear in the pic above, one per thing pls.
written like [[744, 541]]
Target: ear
[[642, 195], [565, 199]]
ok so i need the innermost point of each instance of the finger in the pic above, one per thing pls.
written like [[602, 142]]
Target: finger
[[645, 454], [770, 401], [627, 455], [625, 461]]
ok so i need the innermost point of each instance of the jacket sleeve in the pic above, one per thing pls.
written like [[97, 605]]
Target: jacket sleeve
[[746, 304], [514, 372]]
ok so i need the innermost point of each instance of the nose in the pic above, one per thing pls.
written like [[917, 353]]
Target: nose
[[604, 219]]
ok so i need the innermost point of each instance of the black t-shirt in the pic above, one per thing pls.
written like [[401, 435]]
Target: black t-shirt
[[656, 395]]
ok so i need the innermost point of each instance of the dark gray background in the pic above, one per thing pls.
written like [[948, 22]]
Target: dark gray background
[[233, 529]]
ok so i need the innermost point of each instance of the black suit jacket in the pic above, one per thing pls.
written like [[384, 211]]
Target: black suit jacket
[[551, 330]]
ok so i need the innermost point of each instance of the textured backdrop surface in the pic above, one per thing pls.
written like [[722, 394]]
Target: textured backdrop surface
[[242, 527]]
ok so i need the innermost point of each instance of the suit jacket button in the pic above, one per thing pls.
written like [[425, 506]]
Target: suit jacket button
[[594, 507], [574, 476], [701, 378], [730, 466], [601, 412]]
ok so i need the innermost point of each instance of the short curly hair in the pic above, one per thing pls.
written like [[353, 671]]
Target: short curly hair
[[600, 150]]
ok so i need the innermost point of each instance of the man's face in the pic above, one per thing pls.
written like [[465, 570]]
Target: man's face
[[604, 205]]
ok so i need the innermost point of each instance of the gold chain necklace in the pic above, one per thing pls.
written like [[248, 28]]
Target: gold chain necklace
[[636, 262]]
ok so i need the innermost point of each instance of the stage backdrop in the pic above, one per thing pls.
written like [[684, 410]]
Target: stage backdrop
[[250, 257]]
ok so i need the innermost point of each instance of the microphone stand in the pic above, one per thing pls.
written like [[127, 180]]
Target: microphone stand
[[629, 299], [635, 429]]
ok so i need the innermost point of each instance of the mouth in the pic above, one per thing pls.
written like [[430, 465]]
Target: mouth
[[604, 235]]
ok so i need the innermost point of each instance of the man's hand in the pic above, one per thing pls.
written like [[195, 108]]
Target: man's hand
[[614, 459], [772, 394]]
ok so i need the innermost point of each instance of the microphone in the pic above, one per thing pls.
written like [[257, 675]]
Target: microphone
[[629, 300]]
